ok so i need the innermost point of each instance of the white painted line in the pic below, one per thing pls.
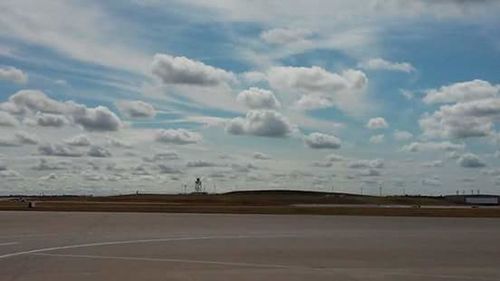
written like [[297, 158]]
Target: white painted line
[[75, 246], [276, 266], [8, 243], [243, 264]]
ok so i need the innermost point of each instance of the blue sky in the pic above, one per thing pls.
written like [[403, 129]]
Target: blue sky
[[118, 96]]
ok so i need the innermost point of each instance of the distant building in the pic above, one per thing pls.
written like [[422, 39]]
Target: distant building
[[478, 199]]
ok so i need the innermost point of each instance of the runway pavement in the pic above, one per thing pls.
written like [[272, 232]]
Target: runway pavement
[[144, 246]]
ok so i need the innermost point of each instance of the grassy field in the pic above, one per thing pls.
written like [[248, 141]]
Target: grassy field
[[257, 202]]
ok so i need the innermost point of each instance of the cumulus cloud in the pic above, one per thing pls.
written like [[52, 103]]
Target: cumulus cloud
[[381, 64], [45, 165], [434, 182], [261, 156], [433, 164], [369, 173], [366, 164], [49, 177], [99, 118], [322, 141], [136, 109], [282, 36], [243, 168], [9, 174], [200, 164], [181, 70], [470, 160], [97, 151], [118, 143], [462, 120], [474, 110], [163, 156], [319, 87], [256, 98], [432, 146], [178, 136], [26, 138], [377, 123], [8, 141], [7, 120], [264, 123], [322, 164], [13, 74], [462, 92], [58, 150], [402, 135], [166, 169], [79, 140], [334, 157], [49, 112], [377, 139], [50, 120]]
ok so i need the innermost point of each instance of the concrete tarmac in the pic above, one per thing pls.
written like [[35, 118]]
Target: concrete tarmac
[[53, 246]]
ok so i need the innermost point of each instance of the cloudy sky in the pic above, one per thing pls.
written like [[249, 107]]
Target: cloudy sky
[[109, 97]]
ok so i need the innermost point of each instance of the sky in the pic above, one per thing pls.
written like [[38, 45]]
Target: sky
[[114, 97]]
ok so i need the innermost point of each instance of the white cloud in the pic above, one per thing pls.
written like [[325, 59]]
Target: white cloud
[[434, 182], [90, 34], [322, 164], [200, 164], [162, 156], [26, 138], [322, 141], [377, 123], [432, 146], [97, 151], [364, 164], [314, 79], [178, 136], [118, 143], [470, 160], [181, 70], [462, 92], [50, 120], [79, 140], [166, 169], [58, 150], [377, 139], [7, 120], [264, 123], [9, 174], [8, 142], [256, 98], [368, 173], [318, 87], [334, 157], [462, 120], [433, 164], [136, 109], [98, 119], [381, 64], [402, 135], [253, 76], [46, 165], [261, 156], [13, 74], [50, 112], [282, 36]]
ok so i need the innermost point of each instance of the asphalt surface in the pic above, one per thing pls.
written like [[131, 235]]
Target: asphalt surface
[[139, 246]]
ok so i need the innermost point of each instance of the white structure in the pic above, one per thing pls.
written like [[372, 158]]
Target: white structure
[[481, 200]]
